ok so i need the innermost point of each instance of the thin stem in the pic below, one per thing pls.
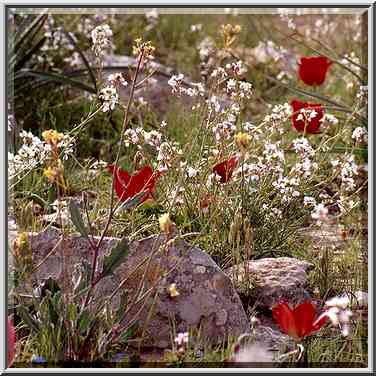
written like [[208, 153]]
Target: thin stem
[[125, 124]]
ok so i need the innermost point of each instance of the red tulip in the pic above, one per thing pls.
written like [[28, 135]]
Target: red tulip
[[312, 125], [312, 70], [127, 186], [299, 322], [11, 342], [225, 169]]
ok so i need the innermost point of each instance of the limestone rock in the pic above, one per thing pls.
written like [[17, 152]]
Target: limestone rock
[[206, 299], [265, 282]]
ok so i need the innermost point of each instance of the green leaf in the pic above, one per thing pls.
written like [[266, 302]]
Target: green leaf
[[124, 337], [309, 94], [77, 219], [27, 56], [133, 201], [122, 306], [83, 57], [115, 258], [60, 79], [84, 321], [84, 269], [27, 319]]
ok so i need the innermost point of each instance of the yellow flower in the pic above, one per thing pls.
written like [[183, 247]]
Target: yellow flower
[[173, 291], [146, 47], [165, 223], [242, 140], [22, 249], [229, 33], [52, 137], [51, 174]]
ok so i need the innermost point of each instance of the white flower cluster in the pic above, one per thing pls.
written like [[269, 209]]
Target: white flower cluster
[[250, 171], [273, 157], [167, 152], [288, 188], [329, 118], [191, 172], [109, 97], [285, 16], [280, 113], [253, 130], [268, 51], [362, 93], [115, 79], [348, 171], [206, 48], [56, 43], [139, 136], [309, 201], [34, 152], [196, 28], [238, 68], [302, 147], [177, 196], [360, 135], [320, 213], [101, 37], [271, 213], [306, 114], [219, 73], [225, 129], [239, 89], [176, 82], [339, 314], [182, 339]]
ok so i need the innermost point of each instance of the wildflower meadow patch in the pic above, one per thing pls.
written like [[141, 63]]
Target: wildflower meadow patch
[[187, 189]]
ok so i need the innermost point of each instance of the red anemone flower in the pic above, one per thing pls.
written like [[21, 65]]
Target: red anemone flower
[[127, 186], [312, 70], [11, 342], [299, 322], [226, 168], [302, 121]]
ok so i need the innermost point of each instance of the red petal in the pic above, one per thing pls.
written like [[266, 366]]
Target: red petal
[[313, 125], [11, 342], [121, 182], [312, 70], [304, 315], [284, 317], [225, 169], [127, 186], [142, 181], [320, 322]]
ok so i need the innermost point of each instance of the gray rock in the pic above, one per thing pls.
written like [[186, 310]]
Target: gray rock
[[207, 300], [267, 281]]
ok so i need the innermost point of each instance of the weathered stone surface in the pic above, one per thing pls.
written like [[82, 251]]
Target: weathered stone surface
[[206, 300], [267, 281]]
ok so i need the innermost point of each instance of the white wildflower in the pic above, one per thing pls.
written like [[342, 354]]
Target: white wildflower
[[101, 37], [109, 98], [191, 172], [117, 79], [360, 135], [182, 339], [320, 213]]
